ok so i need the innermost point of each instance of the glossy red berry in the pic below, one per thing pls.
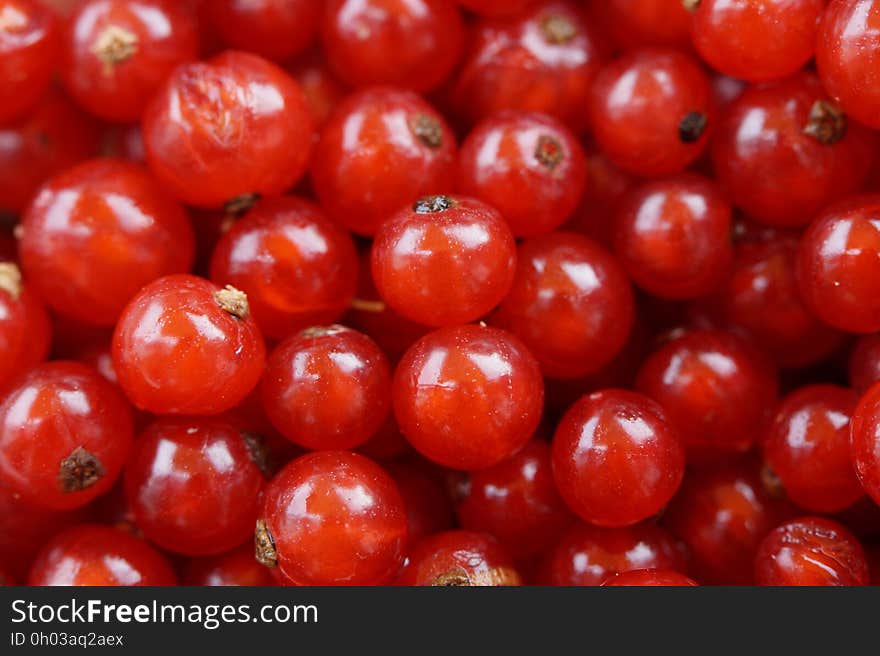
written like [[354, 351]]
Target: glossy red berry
[[532, 153], [25, 332], [758, 40], [673, 236], [413, 45], [459, 558], [515, 501], [717, 390], [589, 555], [275, 29], [192, 485], [468, 397], [116, 53], [847, 56], [327, 388], [186, 346], [541, 60], [865, 445], [381, 149], [221, 131], [297, 268], [97, 233], [446, 260], [616, 459], [332, 518], [233, 568], [789, 135], [65, 434], [92, 555], [636, 23], [808, 448], [652, 111], [811, 551], [864, 363], [649, 578], [571, 303], [29, 45]]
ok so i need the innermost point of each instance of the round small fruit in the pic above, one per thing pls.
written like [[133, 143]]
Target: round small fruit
[[812, 551], [116, 53], [297, 268], [332, 518], [652, 111], [865, 444], [25, 333], [186, 346], [381, 149], [638, 23], [233, 568], [673, 236], [65, 434], [444, 261], [468, 397], [650, 578], [570, 302], [327, 388], [226, 130], [808, 448], [97, 233], [459, 558], [532, 153], [92, 555], [864, 363], [616, 459]]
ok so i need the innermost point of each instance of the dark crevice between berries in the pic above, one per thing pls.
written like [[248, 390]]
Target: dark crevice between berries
[[558, 29], [114, 46], [428, 130], [826, 123], [456, 577], [549, 152], [256, 446], [690, 5], [10, 279], [772, 483], [234, 301], [80, 470], [430, 204], [264, 545], [365, 305], [240, 204], [692, 127]]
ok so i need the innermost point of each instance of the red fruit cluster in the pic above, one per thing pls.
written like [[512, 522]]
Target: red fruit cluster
[[439, 292]]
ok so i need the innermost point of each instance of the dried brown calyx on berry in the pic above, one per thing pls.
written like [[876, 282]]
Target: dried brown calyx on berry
[[114, 46], [692, 127], [826, 123], [428, 130], [80, 470], [491, 577], [10, 279], [234, 301], [264, 545], [431, 204]]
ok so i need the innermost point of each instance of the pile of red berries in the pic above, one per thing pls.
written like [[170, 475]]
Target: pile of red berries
[[439, 292]]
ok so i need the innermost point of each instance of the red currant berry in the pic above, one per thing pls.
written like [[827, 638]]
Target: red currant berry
[[322, 90], [65, 434], [756, 40], [848, 54], [428, 506], [652, 111], [789, 135], [92, 555], [468, 397], [209, 464], [25, 332], [673, 236], [233, 568], [865, 437], [864, 363], [616, 459], [297, 268], [650, 578], [807, 447], [589, 555], [532, 153], [221, 131], [29, 45], [413, 45], [812, 551], [327, 388], [275, 29], [515, 501], [444, 261], [97, 233], [459, 558], [637, 23], [332, 518], [717, 391], [541, 60], [571, 303], [116, 53], [380, 150], [185, 346]]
